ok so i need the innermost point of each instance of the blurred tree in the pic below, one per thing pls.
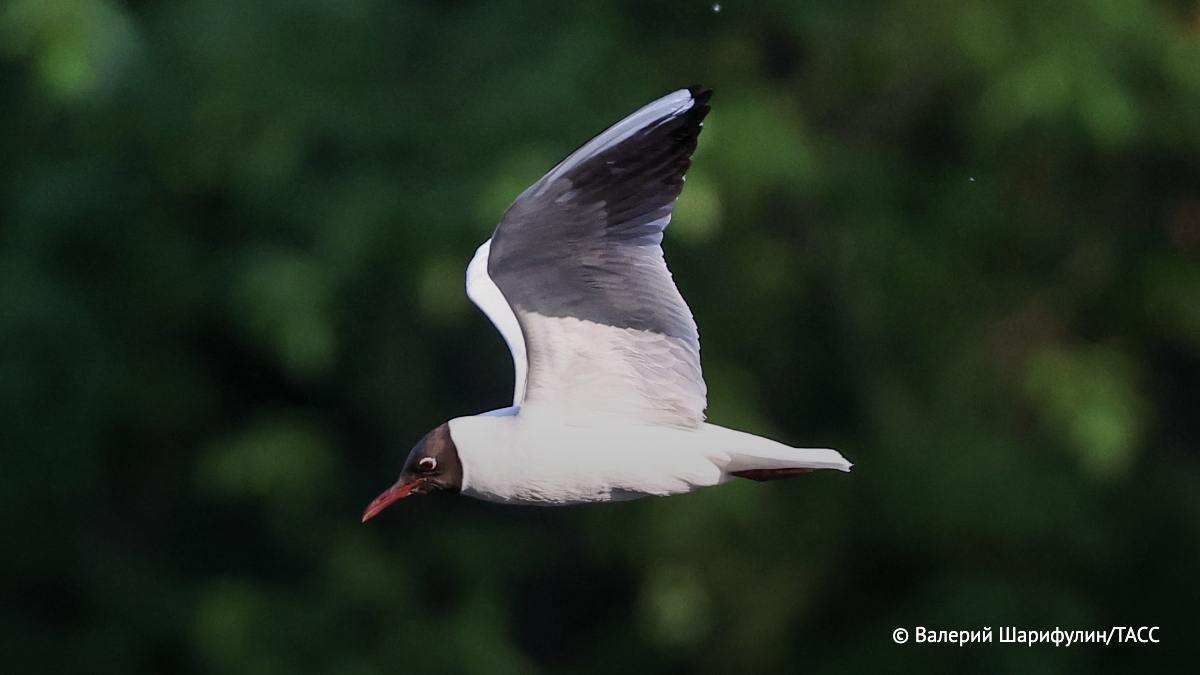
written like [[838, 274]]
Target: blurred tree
[[957, 241]]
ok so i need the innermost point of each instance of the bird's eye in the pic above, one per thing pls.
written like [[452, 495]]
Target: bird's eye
[[427, 464]]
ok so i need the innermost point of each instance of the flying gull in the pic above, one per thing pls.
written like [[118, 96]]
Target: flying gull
[[609, 398]]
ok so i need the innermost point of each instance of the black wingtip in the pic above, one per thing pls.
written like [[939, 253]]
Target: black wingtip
[[700, 93], [700, 109]]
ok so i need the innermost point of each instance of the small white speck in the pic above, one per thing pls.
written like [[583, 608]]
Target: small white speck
[[716, 8], [972, 179]]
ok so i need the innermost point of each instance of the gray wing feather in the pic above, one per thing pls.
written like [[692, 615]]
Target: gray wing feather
[[584, 241]]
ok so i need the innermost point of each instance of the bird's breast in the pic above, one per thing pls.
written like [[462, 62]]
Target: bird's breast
[[546, 464]]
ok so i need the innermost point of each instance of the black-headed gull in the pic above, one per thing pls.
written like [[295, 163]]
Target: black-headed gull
[[609, 398]]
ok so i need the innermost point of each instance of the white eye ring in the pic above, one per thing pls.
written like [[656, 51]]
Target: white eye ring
[[427, 464]]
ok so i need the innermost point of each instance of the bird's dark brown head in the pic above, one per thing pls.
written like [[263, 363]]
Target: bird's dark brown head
[[432, 464]]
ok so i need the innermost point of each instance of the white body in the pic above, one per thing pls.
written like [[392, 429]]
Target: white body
[[537, 459]]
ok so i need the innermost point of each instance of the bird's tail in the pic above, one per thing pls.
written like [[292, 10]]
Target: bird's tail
[[743, 455]]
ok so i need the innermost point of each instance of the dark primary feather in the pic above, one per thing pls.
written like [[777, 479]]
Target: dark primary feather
[[584, 241]]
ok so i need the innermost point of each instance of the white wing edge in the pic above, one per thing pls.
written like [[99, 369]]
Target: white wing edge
[[487, 296], [670, 105]]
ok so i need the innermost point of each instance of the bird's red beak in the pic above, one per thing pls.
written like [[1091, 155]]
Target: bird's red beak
[[390, 496]]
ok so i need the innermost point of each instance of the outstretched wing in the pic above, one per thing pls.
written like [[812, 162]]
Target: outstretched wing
[[578, 260]]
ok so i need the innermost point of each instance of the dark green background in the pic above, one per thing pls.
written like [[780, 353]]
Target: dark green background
[[958, 241]]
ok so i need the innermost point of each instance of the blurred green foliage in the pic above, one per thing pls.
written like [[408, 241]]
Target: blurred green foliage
[[957, 241]]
